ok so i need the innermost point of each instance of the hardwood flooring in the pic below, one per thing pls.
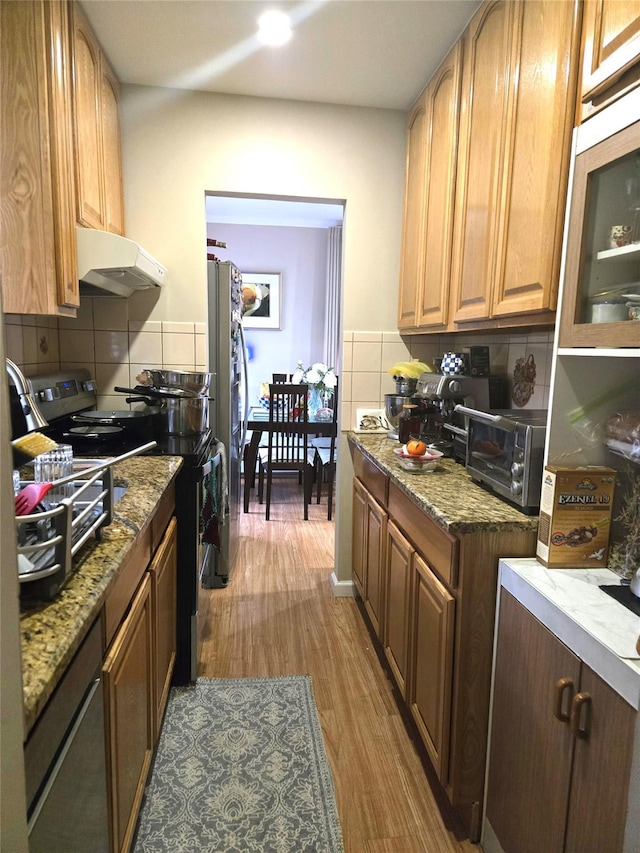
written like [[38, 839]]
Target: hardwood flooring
[[279, 617]]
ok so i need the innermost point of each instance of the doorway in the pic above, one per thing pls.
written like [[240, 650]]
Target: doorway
[[299, 240]]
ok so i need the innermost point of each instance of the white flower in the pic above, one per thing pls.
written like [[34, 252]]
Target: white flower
[[318, 376]]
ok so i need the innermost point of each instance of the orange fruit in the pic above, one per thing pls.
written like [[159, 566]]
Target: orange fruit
[[416, 447]]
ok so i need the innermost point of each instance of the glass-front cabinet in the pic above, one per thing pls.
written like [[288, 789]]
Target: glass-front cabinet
[[601, 301]]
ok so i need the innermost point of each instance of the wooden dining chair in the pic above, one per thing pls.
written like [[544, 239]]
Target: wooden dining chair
[[325, 457], [288, 442], [280, 377]]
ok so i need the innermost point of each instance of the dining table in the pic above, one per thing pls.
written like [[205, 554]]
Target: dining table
[[257, 425]]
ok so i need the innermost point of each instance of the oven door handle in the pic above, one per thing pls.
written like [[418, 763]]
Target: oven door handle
[[497, 420]]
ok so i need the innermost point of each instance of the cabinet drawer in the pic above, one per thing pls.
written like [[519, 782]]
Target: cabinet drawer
[[126, 583], [438, 548], [371, 476]]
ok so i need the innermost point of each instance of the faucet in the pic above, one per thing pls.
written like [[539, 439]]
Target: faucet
[[32, 414]]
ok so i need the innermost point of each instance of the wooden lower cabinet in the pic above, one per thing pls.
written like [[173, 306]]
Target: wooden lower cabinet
[[369, 541], [129, 715], [433, 614], [397, 596], [560, 759], [163, 596], [430, 600]]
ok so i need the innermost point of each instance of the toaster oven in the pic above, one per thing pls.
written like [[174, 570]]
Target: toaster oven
[[505, 452]]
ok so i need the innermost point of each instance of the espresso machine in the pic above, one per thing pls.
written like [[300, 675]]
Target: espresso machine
[[443, 427]]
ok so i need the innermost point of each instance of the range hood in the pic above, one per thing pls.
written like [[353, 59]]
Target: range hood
[[109, 264]]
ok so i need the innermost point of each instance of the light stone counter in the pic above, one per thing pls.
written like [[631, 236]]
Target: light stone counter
[[600, 630], [447, 494], [52, 632]]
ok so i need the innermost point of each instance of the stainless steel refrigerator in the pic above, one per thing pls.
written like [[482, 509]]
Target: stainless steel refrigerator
[[228, 413]]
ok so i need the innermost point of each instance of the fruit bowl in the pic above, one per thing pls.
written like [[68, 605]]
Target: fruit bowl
[[417, 464]]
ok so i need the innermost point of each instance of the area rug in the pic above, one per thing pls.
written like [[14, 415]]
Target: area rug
[[241, 768]]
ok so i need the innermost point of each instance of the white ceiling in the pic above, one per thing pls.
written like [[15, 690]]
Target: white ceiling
[[371, 53], [367, 53]]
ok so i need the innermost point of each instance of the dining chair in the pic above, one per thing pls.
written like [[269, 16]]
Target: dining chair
[[288, 442], [325, 458], [280, 377]]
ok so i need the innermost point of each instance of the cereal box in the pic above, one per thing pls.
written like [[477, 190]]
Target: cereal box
[[575, 517]]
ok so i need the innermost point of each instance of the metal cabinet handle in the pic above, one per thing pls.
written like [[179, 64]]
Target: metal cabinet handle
[[562, 684], [580, 723]]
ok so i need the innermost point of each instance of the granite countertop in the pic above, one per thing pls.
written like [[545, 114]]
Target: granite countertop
[[597, 628], [447, 494], [52, 632]]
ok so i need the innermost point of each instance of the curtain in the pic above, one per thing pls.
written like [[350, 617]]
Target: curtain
[[332, 296]]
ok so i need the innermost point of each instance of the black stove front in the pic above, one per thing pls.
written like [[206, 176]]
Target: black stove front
[[63, 395]]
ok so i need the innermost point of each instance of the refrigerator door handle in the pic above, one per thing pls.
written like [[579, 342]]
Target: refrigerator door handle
[[245, 396]]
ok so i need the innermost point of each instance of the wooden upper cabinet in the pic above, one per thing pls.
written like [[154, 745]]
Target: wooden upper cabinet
[[443, 100], [96, 132], [537, 153], [610, 52], [432, 140], [414, 201], [485, 84], [37, 194], [518, 101]]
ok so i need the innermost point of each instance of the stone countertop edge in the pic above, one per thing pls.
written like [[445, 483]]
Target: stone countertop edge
[[447, 494], [595, 627], [52, 632]]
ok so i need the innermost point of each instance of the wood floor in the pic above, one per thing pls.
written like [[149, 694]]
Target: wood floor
[[278, 617]]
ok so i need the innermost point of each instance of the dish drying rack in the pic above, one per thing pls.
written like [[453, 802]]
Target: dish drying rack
[[49, 539]]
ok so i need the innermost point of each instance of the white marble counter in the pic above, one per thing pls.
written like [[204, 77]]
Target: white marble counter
[[597, 628]]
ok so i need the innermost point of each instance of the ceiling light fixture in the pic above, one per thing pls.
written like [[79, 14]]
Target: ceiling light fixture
[[274, 28]]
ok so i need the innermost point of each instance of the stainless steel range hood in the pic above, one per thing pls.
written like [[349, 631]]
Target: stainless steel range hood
[[111, 265]]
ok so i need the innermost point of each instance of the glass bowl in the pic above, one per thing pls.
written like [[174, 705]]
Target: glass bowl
[[417, 464]]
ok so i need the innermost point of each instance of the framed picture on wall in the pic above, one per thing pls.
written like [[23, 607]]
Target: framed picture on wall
[[261, 299]]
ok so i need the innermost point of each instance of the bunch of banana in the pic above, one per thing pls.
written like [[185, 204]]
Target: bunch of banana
[[409, 369]]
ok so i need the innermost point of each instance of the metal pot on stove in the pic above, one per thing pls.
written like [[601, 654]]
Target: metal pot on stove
[[179, 412]]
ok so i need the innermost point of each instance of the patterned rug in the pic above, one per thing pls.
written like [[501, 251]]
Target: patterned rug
[[241, 768]]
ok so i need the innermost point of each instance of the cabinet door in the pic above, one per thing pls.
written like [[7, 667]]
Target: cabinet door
[[432, 663], [412, 259], [376, 538], [443, 101], [88, 139], [358, 537], [38, 252], [601, 770], [599, 269], [397, 590], [485, 85], [536, 156], [163, 597], [112, 155], [530, 761], [611, 49], [129, 701]]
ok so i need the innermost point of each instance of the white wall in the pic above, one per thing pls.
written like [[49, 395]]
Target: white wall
[[300, 255], [177, 145]]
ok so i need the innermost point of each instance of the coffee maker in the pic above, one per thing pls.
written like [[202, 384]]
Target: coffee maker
[[444, 428]]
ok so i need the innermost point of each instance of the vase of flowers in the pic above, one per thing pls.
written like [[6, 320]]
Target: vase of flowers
[[322, 381]]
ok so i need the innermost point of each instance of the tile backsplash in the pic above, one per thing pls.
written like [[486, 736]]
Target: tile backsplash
[[103, 339], [367, 356], [115, 349]]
